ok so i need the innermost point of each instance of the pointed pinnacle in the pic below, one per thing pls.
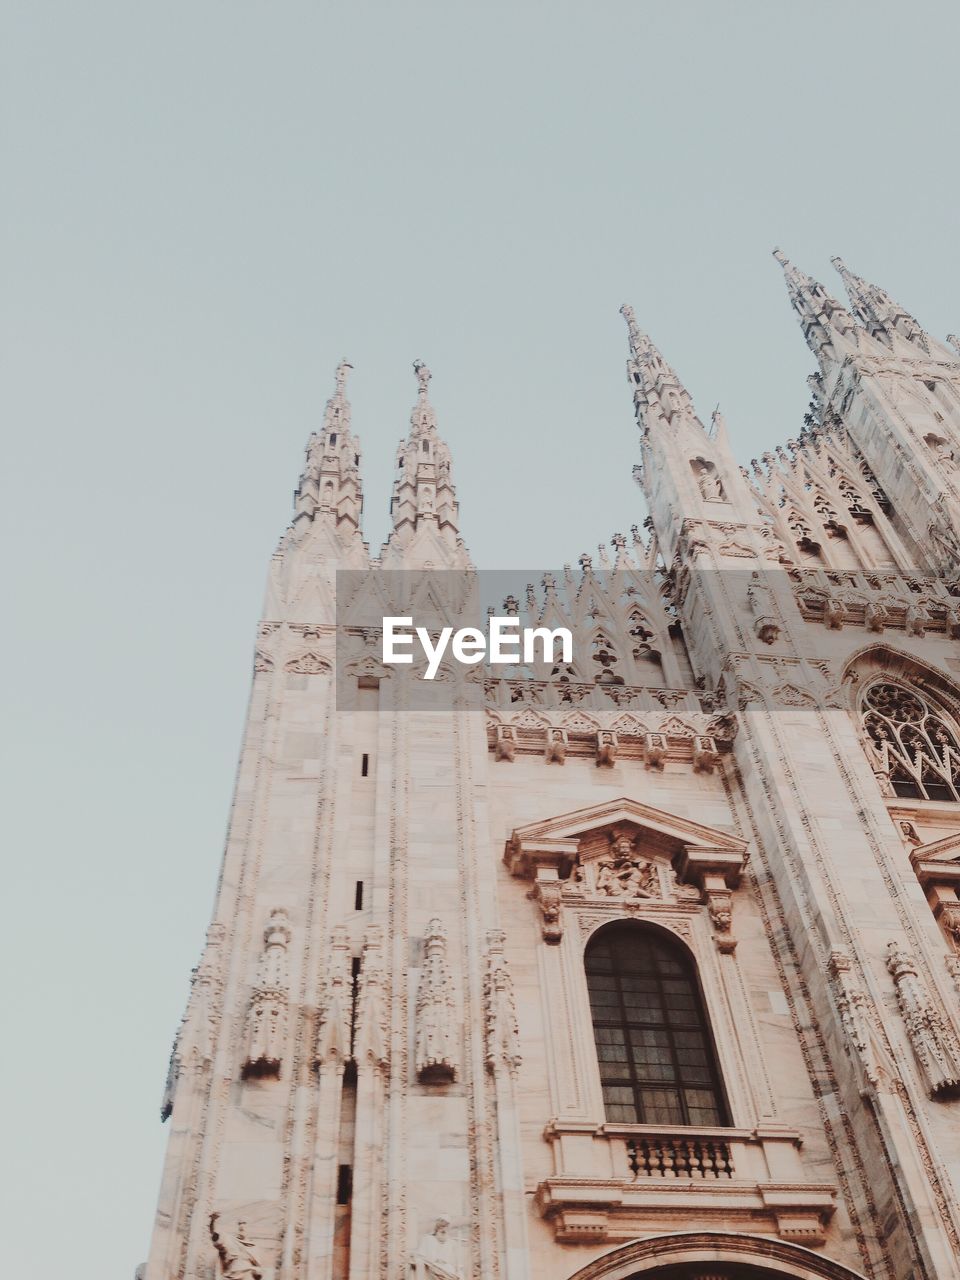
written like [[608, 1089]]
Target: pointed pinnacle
[[781, 257], [637, 335]]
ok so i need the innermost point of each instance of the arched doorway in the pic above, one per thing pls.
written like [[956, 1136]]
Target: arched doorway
[[713, 1255]]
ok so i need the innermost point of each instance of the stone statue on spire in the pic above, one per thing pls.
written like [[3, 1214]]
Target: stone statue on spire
[[423, 376], [341, 376]]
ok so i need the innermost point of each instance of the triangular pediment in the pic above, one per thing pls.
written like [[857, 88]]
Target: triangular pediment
[[660, 826], [563, 840], [946, 849]]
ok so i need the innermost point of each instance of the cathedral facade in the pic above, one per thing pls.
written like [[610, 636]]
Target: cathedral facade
[[645, 963]]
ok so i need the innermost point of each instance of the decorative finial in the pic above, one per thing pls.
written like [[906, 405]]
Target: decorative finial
[[781, 257], [341, 375], [423, 376], [839, 264]]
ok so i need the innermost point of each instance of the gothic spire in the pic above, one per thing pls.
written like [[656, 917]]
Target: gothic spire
[[877, 311], [823, 320], [330, 487], [424, 499], [658, 391]]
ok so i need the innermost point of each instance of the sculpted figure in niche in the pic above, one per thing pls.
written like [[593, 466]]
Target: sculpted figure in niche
[[436, 1255], [941, 451], [708, 480], [237, 1261]]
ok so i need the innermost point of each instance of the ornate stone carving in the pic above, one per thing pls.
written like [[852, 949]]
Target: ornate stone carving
[[235, 1252], [436, 1022], [308, 664], [506, 743], [875, 616], [705, 754], [436, 1257], [608, 744], [854, 1014], [625, 874], [555, 748], [910, 739], [266, 1029], [933, 1043], [194, 1043], [909, 833], [654, 749], [333, 1036], [916, 620], [370, 1043], [766, 624], [502, 1030], [547, 893]]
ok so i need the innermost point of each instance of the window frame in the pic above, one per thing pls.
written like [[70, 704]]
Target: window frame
[[664, 944]]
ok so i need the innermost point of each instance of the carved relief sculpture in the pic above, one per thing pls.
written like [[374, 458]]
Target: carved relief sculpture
[[625, 874], [235, 1253], [333, 1037], [436, 1043], [193, 1046], [502, 1030], [266, 1030], [370, 1042], [854, 1014], [436, 1256], [933, 1043]]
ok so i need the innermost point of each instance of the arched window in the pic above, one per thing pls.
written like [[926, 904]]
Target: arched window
[[657, 1062], [916, 746]]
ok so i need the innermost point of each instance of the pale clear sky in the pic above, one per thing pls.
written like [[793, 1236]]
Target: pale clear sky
[[205, 205]]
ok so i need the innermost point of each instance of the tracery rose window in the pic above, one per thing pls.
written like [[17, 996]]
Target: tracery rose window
[[915, 745]]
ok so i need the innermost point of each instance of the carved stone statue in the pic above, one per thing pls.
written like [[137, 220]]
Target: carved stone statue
[[436, 1257], [624, 875], [237, 1260]]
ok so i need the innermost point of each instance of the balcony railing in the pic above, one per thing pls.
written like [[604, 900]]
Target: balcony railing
[[678, 1157]]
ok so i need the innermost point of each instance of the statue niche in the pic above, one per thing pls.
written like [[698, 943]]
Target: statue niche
[[708, 481]]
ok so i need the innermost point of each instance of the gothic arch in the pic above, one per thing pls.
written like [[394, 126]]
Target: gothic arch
[[880, 659], [708, 1254]]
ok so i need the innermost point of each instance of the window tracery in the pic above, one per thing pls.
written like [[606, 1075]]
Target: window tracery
[[915, 745]]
